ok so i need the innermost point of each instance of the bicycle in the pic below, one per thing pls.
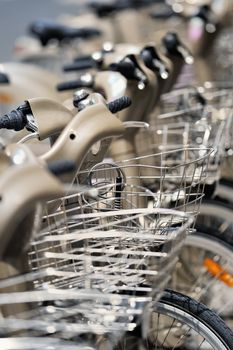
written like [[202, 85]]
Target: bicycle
[[137, 170], [60, 299]]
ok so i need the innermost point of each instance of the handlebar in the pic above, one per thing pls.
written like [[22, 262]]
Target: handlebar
[[61, 167], [48, 30], [4, 78], [203, 12], [16, 119], [119, 104], [80, 65], [106, 8], [74, 84], [82, 58], [165, 14]]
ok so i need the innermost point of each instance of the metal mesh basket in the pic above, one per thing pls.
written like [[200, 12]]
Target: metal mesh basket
[[38, 343], [212, 103], [176, 177], [200, 136], [95, 266], [196, 118], [189, 98], [220, 95], [222, 55]]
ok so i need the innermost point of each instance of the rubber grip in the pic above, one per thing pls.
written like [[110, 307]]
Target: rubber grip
[[87, 32], [119, 104], [163, 14], [82, 58], [61, 167], [79, 65], [73, 84], [4, 78], [15, 120]]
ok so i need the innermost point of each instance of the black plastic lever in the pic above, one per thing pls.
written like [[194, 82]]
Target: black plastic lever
[[171, 42], [175, 47], [126, 68], [154, 62], [129, 68], [204, 13]]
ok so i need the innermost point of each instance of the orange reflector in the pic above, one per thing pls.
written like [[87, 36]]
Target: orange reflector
[[218, 272], [5, 98]]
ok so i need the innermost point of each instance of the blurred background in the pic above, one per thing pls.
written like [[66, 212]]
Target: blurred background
[[15, 15]]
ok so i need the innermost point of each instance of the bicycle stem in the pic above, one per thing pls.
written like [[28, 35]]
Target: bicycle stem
[[89, 126]]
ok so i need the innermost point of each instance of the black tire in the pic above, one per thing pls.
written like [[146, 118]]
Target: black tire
[[203, 316], [187, 278], [210, 223]]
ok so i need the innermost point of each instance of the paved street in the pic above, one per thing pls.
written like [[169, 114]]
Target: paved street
[[16, 14]]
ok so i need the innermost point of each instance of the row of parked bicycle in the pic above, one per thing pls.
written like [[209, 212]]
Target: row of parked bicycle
[[116, 180]]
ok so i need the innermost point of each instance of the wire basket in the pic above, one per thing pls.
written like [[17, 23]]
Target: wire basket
[[200, 117], [95, 266], [211, 105], [38, 343], [176, 177], [200, 136], [191, 98], [222, 55], [220, 95]]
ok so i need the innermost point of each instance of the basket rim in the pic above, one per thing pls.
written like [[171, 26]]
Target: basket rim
[[208, 150]]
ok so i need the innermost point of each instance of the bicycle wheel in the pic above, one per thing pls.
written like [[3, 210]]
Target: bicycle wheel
[[179, 322], [205, 271], [216, 217]]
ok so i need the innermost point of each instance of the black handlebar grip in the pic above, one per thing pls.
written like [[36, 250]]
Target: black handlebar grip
[[82, 58], [73, 84], [79, 65], [4, 78], [15, 120], [88, 32], [104, 9], [119, 104], [61, 167], [168, 13], [46, 30]]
